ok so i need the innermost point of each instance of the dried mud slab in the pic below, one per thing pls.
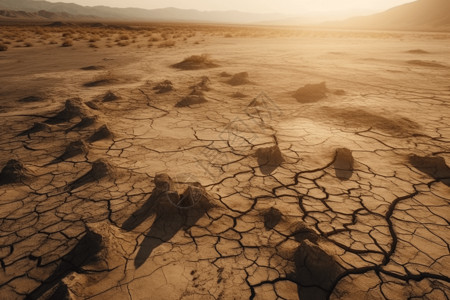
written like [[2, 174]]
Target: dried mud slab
[[196, 62]]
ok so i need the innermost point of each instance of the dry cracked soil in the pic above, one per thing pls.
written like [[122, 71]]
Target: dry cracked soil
[[283, 164]]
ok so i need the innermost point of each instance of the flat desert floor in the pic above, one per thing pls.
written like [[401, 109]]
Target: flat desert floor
[[201, 162]]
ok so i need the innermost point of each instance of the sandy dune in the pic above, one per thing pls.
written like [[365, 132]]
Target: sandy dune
[[285, 164]]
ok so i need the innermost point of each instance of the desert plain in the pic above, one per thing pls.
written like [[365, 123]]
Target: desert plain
[[177, 161]]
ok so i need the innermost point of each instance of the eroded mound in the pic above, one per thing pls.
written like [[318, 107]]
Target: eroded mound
[[432, 166], [163, 87], [73, 108], [191, 100], [14, 172], [196, 62], [316, 271], [269, 159], [239, 79], [101, 133], [311, 92], [343, 163]]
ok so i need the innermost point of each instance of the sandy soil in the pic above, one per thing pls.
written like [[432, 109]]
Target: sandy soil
[[286, 164]]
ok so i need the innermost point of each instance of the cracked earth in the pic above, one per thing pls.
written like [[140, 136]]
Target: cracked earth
[[312, 166]]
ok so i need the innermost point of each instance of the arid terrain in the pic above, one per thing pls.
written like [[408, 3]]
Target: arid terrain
[[171, 161]]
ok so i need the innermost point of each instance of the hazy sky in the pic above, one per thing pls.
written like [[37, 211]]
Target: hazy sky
[[292, 7]]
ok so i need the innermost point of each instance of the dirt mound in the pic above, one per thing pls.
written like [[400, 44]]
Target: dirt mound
[[101, 80], [311, 93], [433, 166], [85, 122], [196, 62], [343, 163], [203, 85], [84, 253], [431, 64], [31, 99], [239, 79], [37, 127], [14, 172], [417, 51], [238, 95], [93, 68], [180, 194], [73, 108], [59, 24], [163, 182], [191, 100], [110, 96], [225, 74], [316, 271], [163, 87], [99, 170], [73, 149], [269, 159], [339, 92], [362, 119], [301, 233], [100, 134], [272, 217]]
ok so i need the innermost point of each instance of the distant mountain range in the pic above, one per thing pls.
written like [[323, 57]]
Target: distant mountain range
[[135, 14], [418, 15]]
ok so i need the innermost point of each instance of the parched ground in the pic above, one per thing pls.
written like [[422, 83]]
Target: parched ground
[[320, 171]]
